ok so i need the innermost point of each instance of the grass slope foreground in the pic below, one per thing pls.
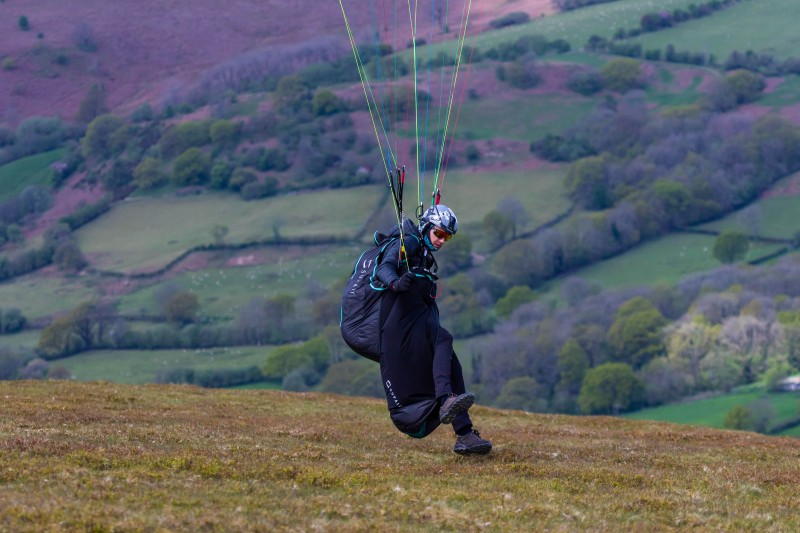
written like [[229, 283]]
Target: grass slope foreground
[[105, 457]]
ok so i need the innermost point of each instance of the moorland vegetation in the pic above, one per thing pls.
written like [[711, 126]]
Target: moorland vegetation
[[106, 456], [283, 140]]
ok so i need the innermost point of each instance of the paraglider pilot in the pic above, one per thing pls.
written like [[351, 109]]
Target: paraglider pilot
[[421, 374]]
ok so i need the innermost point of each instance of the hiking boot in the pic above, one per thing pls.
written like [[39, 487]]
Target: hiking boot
[[472, 444], [455, 404]]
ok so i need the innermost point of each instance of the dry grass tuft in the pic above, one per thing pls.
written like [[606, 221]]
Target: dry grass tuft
[[105, 457]]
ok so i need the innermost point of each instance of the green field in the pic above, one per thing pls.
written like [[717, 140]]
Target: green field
[[40, 296], [31, 170], [141, 366], [778, 218], [147, 233], [575, 26], [711, 411], [222, 291], [578, 25], [526, 117], [666, 93], [763, 27], [787, 93], [27, 339], [473, 194], [663, 261]]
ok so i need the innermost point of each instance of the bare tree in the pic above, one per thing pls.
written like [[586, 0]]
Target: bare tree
[[514, 209], [84, 38]]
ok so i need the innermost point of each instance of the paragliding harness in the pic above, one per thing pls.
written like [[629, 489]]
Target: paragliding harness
[[360, 311], [359, 315]]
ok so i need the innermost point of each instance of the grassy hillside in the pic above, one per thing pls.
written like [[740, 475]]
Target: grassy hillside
[[40, 295], [739, 27], [577, 26], [711, 411], [146, 234], [776, 214], [663, 261], [107, 457], [141, 366], [32, 170]]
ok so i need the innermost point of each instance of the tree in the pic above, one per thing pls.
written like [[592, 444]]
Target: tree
[[622, 75], [84, 38], [664, 382], [97, 143], [149, 174], [739, 417], [326, 103], [354, 378], [515, 297], [763, 415], [191, 167], [674, 198], [68, 257], [14, 233], [730, 246], [498, 225], [23, 23], [521, 393], [181, 307], [12, 320], [241, 178], [586, 183], [457, 255], [218, 232], [610, 388], [585, 82], [284, 359], [522, 73], [177, 139], [572, 366], [687, 343], [635, 336], [514, 209], [756, 343], [292, 95], [516, 262], [93, 104], [74, 332], [225, 133], [459, 301], [745, 85], [221, 172]]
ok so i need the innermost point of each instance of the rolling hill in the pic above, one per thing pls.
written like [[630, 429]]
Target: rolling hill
[[234, 254], [106, 457], [147, 50]]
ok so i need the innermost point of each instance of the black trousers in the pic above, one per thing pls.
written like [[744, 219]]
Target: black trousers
[[418, 363]]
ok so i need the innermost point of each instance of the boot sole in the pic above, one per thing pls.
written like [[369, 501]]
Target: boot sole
[[482, 449], [459, 406]]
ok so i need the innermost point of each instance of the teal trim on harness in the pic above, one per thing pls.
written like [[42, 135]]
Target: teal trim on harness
[[419, 434]]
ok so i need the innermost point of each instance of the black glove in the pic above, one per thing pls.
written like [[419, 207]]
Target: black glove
[[403, 283]]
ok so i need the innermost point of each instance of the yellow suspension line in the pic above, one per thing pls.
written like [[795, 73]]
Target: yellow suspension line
[[460, 49], [369, 96], [413, 22]]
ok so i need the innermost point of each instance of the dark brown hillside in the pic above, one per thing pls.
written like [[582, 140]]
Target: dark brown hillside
[[147, 48]]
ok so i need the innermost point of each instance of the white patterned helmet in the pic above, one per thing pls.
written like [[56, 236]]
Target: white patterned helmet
[[440, 216]]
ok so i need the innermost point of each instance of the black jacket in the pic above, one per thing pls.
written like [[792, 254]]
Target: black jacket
[[420, 259]]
